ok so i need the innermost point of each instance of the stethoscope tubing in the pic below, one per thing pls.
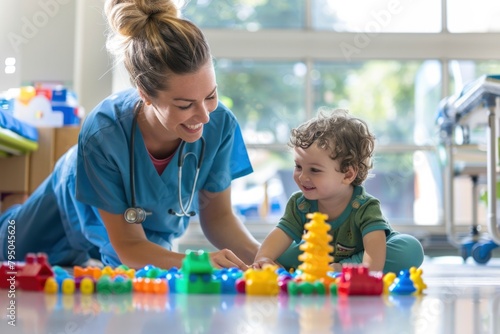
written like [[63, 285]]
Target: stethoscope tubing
[[184, 210]]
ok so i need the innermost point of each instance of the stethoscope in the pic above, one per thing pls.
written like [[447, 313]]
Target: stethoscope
[[137, 215]]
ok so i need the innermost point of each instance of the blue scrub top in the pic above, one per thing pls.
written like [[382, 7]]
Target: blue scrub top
[[103, 173]]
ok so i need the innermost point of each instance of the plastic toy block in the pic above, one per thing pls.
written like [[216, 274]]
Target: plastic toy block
[[68, 286], [107, 270], [196, 275], [197, 283], [228, 278], [60, 272], [150, 285], [125, 271], [121, 284], [151, 271], [87, 286], [35, 272], [357, 280], [388, 280], [196, 263], [403, 285], [306, 288], [283, 283], [241, 285], [6, 273], [160, 286], [333, 288], [418, 282], [51, 286], [93, 272], [262, 281], [316, 248], [103, 285], [171, 276]]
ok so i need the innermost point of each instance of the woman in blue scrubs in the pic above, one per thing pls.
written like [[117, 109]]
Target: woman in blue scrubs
[[78, 211]]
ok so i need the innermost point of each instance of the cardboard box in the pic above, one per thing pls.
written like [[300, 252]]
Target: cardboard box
[[23, 174]]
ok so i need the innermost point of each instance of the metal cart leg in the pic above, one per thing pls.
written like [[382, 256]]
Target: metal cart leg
[[481, 252]]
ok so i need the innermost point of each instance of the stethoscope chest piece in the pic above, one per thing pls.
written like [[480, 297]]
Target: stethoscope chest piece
[[135, 215]]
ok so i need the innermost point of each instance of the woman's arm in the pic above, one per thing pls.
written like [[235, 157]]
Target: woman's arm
[[136, 251], [375, 250], [222, 228], [273, 246], [132, 246]]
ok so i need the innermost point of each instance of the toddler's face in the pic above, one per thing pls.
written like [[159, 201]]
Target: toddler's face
[[316, 174]]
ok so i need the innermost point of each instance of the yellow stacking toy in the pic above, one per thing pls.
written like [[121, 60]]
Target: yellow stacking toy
[[316, 249]]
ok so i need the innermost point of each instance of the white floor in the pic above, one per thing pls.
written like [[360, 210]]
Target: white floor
[[461, 298]]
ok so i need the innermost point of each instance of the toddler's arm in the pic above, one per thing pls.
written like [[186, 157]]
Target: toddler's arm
[[273, 246], [375, 250]]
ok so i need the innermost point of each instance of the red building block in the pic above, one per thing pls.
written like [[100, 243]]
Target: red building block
[[357, 280], [6, 273], [35, 272]]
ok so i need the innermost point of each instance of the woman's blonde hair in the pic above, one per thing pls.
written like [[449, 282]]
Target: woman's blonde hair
[[347, 138], [154, 42]]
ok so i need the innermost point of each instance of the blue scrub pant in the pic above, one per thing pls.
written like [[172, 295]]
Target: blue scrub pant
[[403, 252], [38, 228]]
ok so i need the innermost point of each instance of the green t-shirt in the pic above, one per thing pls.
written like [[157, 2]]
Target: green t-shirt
[[363, 215]]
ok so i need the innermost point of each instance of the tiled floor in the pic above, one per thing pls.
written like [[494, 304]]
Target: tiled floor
[[461, 298]]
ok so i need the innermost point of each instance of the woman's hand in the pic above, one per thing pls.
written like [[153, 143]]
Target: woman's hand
[[226, 259]]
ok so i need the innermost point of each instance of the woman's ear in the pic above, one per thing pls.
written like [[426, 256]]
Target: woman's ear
[[350, 175], [144, 98]]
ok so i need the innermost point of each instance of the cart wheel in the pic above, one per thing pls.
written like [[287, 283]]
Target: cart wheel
[[480, 256]]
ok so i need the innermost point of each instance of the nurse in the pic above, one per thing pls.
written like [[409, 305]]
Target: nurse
[[115, 196]]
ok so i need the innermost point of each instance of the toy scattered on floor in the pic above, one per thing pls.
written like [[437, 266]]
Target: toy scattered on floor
[[358, 280], [35, 271], [197, 275], [262, 282]]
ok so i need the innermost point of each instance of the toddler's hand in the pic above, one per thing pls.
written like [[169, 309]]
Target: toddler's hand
[[259, 263], [337, 267]]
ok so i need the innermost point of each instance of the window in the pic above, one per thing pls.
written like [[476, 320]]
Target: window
[[279, 61]]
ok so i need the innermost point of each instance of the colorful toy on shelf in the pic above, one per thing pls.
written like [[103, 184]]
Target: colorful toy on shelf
[[357, 280], [45, 105], [196, 273], [34, 273], [316, 249]]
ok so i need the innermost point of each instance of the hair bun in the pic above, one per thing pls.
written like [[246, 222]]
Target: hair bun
[[129, 17]]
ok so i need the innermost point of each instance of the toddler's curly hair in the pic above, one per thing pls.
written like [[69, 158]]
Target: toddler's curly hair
[[346, 137]]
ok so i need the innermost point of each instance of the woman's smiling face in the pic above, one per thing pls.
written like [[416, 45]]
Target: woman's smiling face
[[185, 107]]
